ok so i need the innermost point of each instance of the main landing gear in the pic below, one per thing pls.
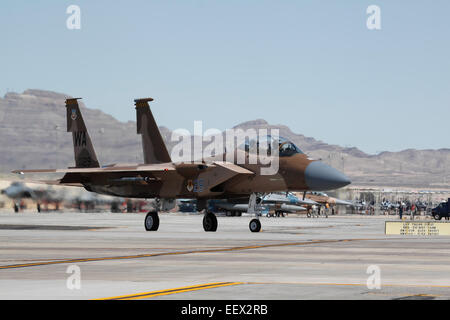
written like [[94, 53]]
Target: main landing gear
[[209, 219], [151, 221], [209, 222]]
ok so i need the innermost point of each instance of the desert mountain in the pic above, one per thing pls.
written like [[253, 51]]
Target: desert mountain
[[33, 135]]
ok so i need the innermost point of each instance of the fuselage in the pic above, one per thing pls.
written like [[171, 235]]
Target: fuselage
[[208, 180]]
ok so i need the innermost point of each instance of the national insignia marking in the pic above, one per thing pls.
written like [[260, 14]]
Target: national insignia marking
[[190, 186]]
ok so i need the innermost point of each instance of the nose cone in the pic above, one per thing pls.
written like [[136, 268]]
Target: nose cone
[[320, 177]]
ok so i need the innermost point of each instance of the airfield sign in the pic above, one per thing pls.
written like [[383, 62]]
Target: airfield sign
[[417, 228]]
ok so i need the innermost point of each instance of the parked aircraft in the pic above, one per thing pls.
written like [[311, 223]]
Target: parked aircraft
[[18, 191], [323, 199]]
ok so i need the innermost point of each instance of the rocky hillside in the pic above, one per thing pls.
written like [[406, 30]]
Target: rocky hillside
[[33, 135]]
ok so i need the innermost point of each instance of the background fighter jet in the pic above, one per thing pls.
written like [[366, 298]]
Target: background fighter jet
[[323, 199], [204, 179], [279, 203], [18, 191], [287, 202]]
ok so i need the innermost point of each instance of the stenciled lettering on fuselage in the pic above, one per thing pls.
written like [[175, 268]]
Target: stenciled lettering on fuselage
[[190, 186], [79, 139], [195, 186], [198, 185]]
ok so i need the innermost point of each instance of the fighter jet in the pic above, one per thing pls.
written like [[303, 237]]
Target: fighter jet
[[279, 203], [202, 179], [323, 199], [286, 202], [18, 191]]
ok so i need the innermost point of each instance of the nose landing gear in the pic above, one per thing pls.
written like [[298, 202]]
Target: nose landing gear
[[254, 208]]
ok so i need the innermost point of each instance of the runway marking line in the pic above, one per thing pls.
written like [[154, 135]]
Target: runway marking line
[[62, 261], [157, 293]]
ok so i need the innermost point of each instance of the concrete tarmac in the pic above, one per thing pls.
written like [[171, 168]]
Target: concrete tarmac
[[110, 255]]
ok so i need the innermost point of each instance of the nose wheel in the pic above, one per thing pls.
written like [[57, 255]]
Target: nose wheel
[[209, 222], [254, 208], [255, 225], [151, 221]]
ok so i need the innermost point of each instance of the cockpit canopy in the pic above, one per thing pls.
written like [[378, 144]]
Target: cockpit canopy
[[267, 143]]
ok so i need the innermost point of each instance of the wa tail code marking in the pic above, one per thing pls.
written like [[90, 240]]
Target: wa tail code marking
[[80, 139]]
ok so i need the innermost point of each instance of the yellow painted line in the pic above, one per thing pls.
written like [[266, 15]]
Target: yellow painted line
[[62, 261], [157, 293], [405, 294]]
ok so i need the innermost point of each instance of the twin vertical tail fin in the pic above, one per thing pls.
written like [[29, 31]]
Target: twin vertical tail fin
[[155, 150], [85, 156]]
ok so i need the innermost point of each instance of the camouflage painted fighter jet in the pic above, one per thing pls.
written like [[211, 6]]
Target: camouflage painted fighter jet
[[158, 177], [323, 199]]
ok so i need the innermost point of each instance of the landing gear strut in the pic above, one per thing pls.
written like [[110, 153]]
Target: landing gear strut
[[209, 222], [151, 221], [255, 224]]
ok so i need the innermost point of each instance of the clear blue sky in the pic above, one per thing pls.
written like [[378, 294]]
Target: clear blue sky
[[311, 65]]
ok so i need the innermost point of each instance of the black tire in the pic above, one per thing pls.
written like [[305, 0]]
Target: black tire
[[437, 216], [210, 222], [151, 221], [238, 213], [255, 225]]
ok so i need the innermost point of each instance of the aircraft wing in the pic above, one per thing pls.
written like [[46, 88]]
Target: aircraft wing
[[54, 183], [343, 202], [234, 168], [117, 173], [144, 173], [107, 169], [285, 207], [307, 201]]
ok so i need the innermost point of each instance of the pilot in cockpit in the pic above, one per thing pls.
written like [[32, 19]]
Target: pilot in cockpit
[[285, 147]]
